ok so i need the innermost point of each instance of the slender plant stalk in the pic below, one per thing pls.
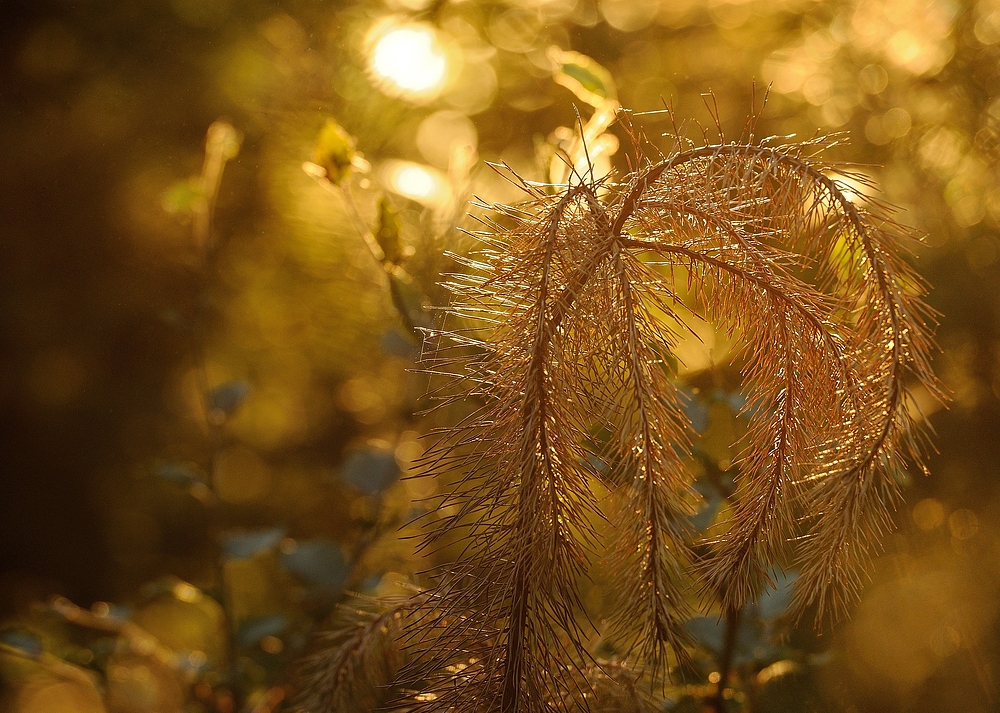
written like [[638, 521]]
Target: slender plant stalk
[[221, 145], [726, 656]]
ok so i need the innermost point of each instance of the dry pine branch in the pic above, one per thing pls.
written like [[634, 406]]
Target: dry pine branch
[[559, 323]]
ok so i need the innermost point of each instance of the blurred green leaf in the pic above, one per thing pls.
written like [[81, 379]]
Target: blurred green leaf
[[334, 152], [184, 620], [408, 300], [183, 197], [387, 233], [587, 79]]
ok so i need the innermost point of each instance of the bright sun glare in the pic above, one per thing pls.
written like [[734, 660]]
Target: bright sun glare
[[409, 59], [420, 183], [415, 181]]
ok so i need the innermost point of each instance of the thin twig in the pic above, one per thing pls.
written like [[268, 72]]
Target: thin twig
[[725, 661]]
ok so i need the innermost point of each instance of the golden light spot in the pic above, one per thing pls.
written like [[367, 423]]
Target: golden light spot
[[187, 592], [987, 27], [441, 133], [963, 524], [714, 677], [515, 30], [837, 111], [883, 128], [417, 182], [904, 48], [407, 60], [629, 15], [897, 122], [875, 132], [967, 209], [272, 644], [415, 5], [817, 89], [408, 450], [928, 514], [873, 79], [941, 149]]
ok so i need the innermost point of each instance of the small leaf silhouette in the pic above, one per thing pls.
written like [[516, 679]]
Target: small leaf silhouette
[[253, 630], [319, 562], [387, 233], [179, 473], [334, 151], [22, 639], [247, 543], [224, 399], [370, 470]]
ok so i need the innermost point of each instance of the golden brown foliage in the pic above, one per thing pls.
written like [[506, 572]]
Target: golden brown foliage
[[560, 326]]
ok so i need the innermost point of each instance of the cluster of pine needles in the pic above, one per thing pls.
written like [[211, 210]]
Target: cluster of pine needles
[[558, 327]]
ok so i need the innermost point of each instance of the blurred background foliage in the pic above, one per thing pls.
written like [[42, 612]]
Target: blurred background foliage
[[206, 419]]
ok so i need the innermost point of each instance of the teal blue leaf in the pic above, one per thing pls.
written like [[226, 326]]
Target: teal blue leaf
[[318, 562], [253, 630], [395, 343], [180, 473], [243, 544], [226, 398], [370, 470], [22, 639], [773, 602]]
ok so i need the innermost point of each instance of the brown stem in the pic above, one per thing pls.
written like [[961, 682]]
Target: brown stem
[[725, 660]]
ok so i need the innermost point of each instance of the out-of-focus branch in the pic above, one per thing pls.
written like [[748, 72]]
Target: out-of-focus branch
[[53, 664], [138, 639]]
